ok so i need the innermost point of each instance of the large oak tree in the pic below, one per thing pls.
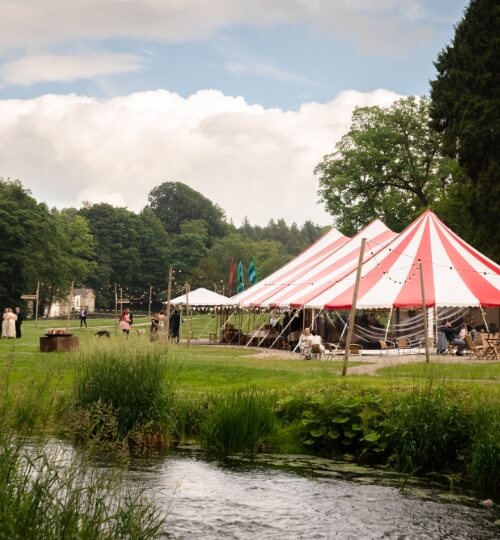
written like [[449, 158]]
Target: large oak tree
[[389, 165]]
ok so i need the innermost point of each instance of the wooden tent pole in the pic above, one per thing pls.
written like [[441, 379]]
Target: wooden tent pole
[[188, 325], [36, 302], [69, 306], [353, 307], [169, 295], [424, 311]]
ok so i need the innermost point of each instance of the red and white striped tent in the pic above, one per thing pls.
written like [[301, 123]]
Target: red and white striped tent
[[325, 246], [323, 274], [455, 274]]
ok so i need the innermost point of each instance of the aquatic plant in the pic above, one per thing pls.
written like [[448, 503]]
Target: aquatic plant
[[44, 494], [484, 462], [238, 422], [336, 422], [123, 392], [428, 429]]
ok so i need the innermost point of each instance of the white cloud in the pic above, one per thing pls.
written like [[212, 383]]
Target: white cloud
[[371, 24], [67, 68], [252, 161]]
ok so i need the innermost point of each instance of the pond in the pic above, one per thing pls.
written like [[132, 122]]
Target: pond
[[278, 497]]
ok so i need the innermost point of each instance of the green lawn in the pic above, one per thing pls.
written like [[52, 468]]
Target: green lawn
[[205, 369]]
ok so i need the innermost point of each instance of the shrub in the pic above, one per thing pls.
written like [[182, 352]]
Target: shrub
[[238, 422]]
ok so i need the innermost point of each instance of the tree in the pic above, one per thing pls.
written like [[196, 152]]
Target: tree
[[25, 239], [174, 203], [465, 108], [69, 257], [389, 166]]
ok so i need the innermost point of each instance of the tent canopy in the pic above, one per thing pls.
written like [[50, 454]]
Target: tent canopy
[[291, 271], [203, 297], [454, 273]]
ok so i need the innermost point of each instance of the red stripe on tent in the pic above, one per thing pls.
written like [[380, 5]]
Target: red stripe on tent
[[486, 293], [275, 284], [344, 300], [410, 294], [353, 257]]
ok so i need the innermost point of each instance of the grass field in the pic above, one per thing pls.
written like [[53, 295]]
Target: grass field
[[208, 368]]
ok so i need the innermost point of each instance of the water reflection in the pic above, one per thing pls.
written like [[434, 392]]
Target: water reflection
[[237, 499]]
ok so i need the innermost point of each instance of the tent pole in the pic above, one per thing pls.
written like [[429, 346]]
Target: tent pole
[[388, 323], [169, 296], [424, 311], [353, 307], [484, 319]]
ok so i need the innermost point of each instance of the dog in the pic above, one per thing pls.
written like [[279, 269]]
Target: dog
[[102, 333], [140, 332]]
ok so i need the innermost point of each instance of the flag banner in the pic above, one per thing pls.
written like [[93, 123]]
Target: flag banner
[[252, 272], [241, 282], [231, 276]]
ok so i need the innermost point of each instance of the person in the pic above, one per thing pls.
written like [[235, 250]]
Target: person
[[274, 320], [4, 323], [315, 339], [19, 322], [9, 324], [174, 325], [453, 336], [83, 317], [286, 324], [125, 322], [305, 341], [155, 324]]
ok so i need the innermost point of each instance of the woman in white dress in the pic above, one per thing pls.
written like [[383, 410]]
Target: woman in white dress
[[10, 327], [4, 323]]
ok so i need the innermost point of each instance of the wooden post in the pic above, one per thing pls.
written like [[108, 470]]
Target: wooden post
[[188, 321], [69, 306], [353, 307], [169, 295], [424, 311], [116, 309], [36, 302], [149, 305]]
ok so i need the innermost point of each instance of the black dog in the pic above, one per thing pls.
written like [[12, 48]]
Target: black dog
[[102, 333]]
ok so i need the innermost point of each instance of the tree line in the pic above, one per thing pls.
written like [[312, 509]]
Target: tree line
[[102, 246]]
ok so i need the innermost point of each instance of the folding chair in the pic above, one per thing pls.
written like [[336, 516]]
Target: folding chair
[[476, 351]]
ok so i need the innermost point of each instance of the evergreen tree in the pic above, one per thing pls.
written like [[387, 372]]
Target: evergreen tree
[[466, 109]]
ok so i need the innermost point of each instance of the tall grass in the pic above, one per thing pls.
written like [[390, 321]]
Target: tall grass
[[47, 496], [238, 422], [124, 392], [484, 467], [428, 429]]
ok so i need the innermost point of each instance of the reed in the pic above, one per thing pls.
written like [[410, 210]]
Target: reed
[[125, 389], [44, 494], [240, 421], [484, 468], [428, 429]]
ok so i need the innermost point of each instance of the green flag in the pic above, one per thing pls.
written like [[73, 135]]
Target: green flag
[[241, 283], [252, 272]]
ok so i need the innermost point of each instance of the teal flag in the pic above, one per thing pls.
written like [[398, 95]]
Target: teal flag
[[241, 282], [252, 273]]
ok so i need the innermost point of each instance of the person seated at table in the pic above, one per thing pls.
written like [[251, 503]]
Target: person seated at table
[[315, 339], [305, 340], [453, 336]]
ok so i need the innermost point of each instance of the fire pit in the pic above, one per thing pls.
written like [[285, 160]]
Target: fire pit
[[58, 340]]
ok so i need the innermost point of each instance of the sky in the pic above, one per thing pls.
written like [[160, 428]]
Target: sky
[[103, 100]]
